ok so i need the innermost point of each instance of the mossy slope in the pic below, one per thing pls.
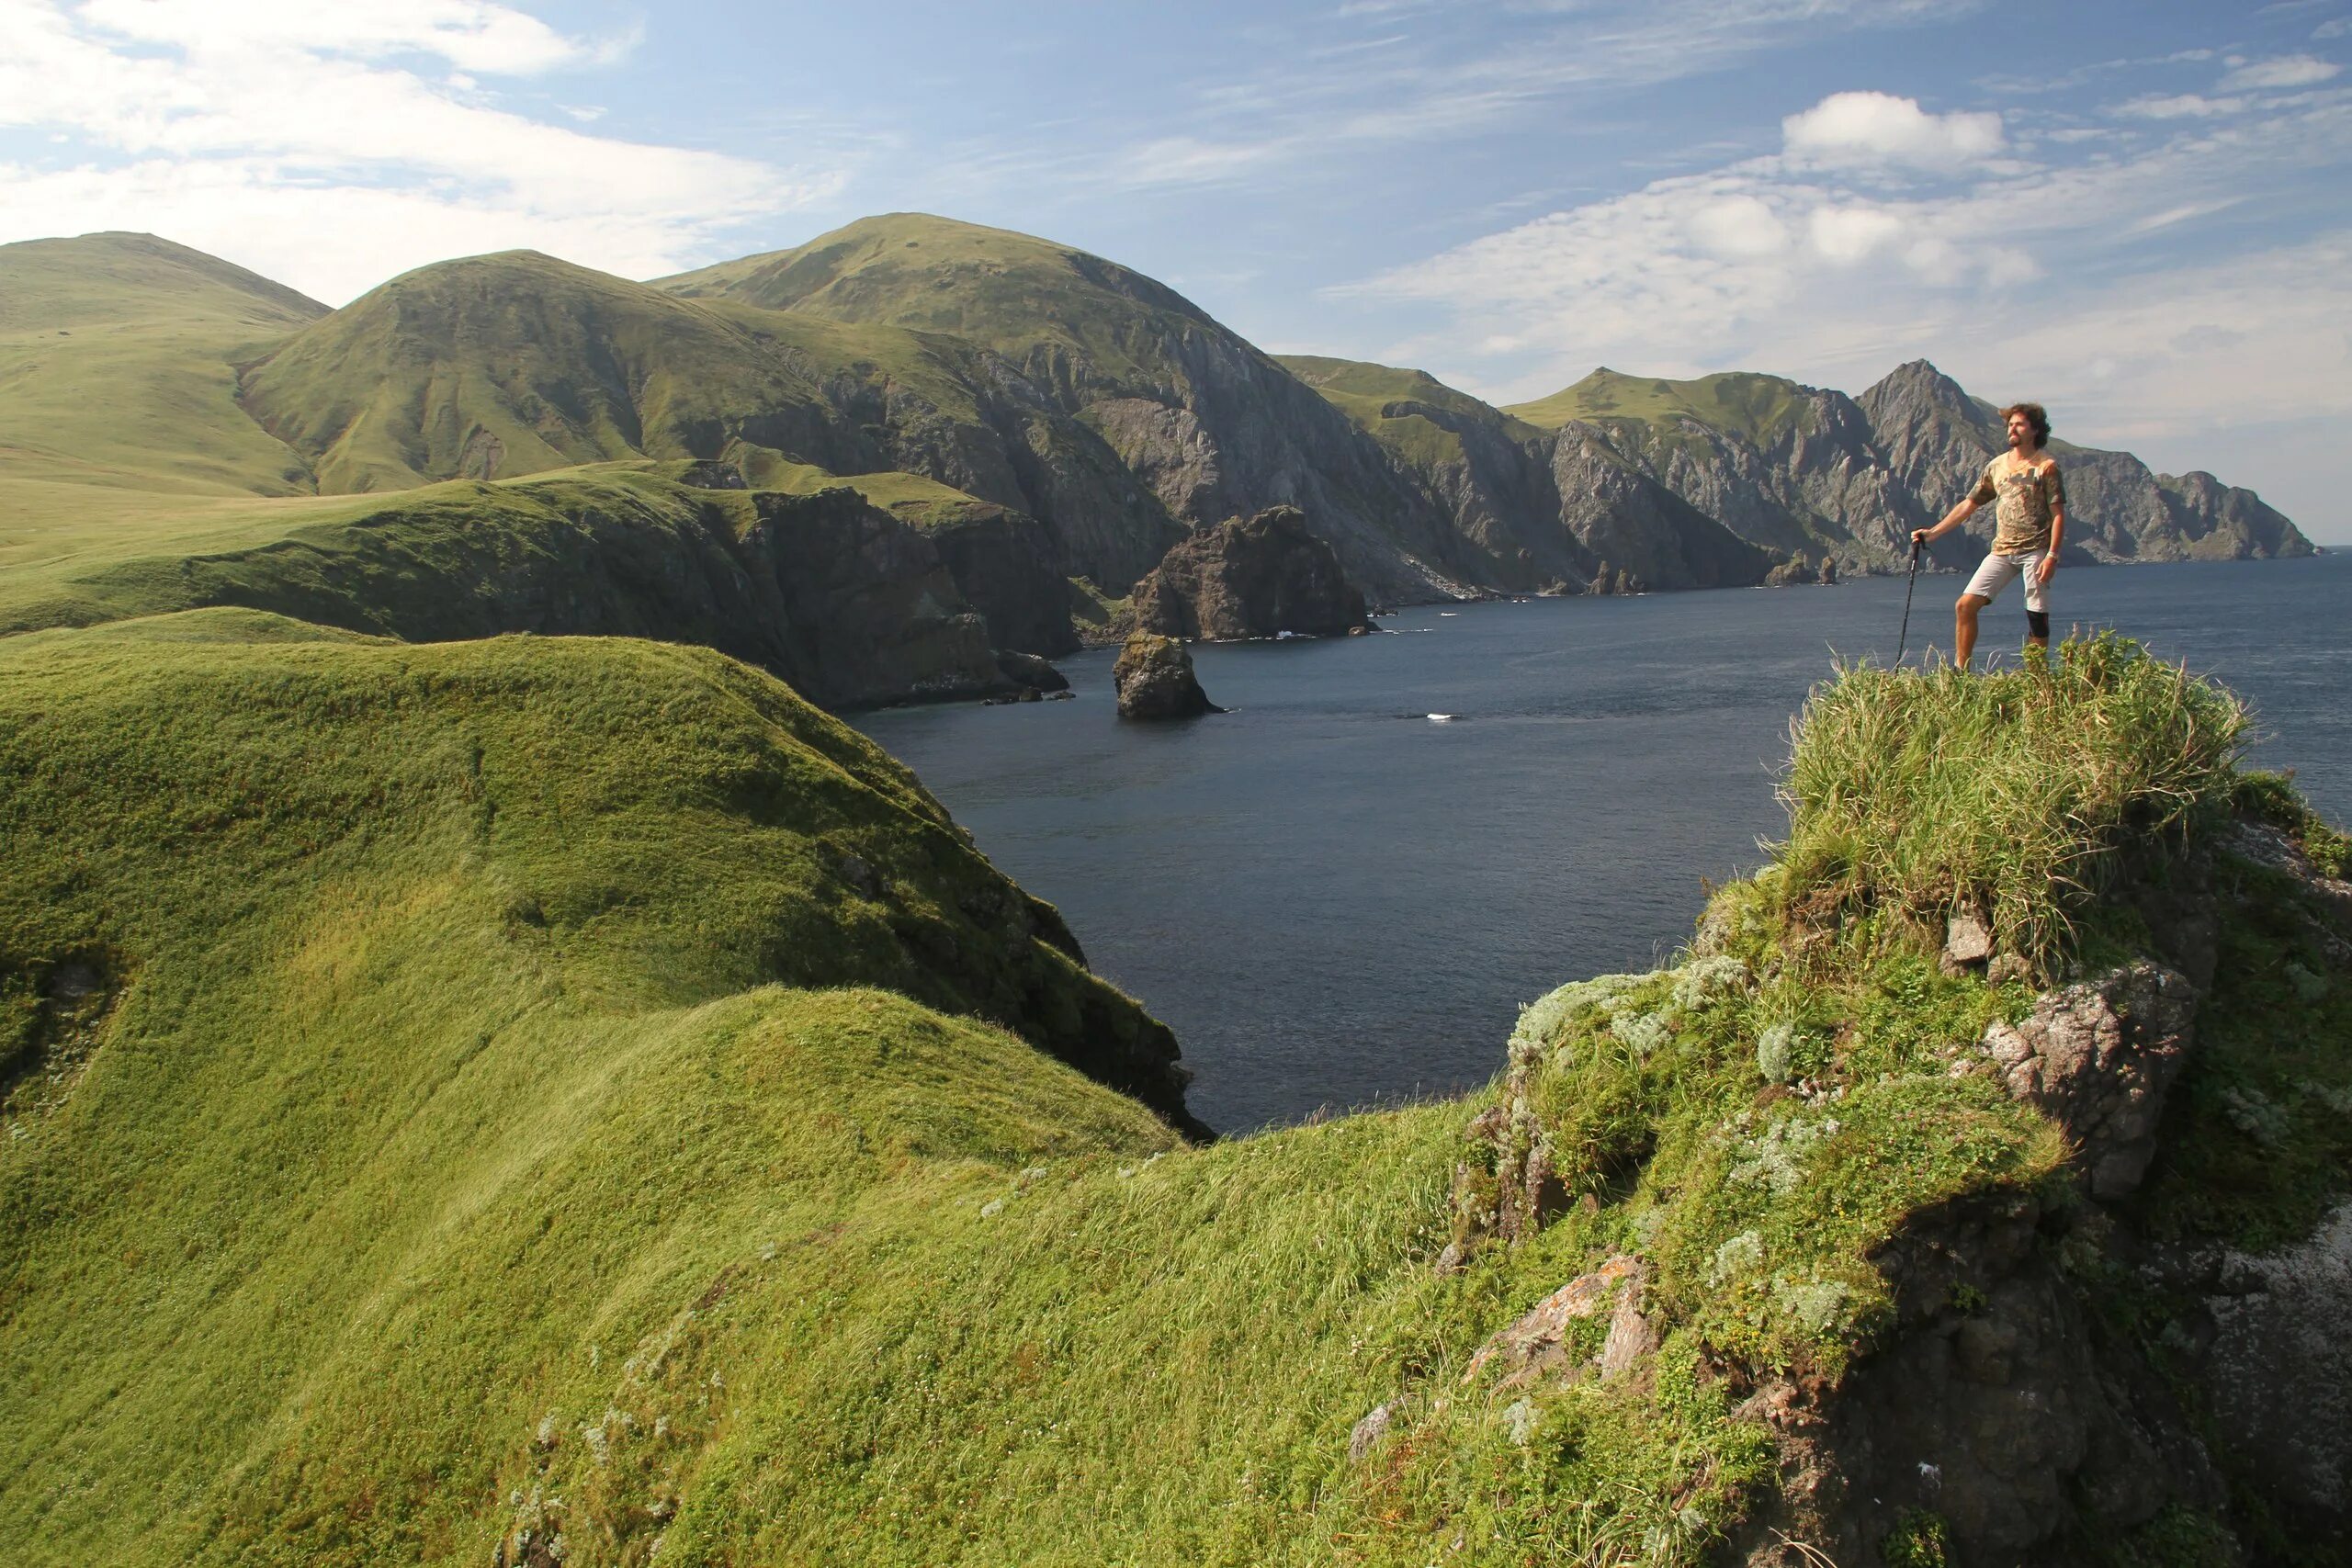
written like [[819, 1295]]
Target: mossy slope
[[455, 1004]]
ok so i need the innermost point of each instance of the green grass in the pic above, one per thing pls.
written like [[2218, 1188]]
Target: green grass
[[1759, 408], [515, 363], [911, 498], [620, 548], [512, 1114], [1027, 299], [376, 564], [117, 375], [2014, 793], [1379, 400]]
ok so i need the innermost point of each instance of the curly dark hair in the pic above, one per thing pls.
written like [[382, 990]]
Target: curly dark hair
[[2036, 416]]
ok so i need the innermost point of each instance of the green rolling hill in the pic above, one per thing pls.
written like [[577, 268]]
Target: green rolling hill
[[510, 365], [115, 366], [1212, 425]]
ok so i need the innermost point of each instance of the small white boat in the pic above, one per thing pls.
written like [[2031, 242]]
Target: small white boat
[[1443, 718]]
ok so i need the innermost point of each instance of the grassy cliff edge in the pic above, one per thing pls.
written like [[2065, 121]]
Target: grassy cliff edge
[[550, 1101]]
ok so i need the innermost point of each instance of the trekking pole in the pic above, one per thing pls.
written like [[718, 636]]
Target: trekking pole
[[1907, 605]]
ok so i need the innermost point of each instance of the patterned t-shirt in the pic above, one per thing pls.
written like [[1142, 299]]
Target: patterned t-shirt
[[2023, 500]]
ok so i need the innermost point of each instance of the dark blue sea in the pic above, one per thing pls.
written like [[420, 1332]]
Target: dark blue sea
[[1336, 900]]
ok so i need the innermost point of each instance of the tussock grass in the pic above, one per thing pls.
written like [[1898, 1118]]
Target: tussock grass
[[2014, 793]]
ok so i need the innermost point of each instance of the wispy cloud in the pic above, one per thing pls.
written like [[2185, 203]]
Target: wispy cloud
[[2288, 70], [2030, 274], [331, 146], [1342, 96]]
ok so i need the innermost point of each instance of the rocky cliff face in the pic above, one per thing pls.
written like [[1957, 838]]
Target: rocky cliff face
[[1935, 439], [1620, 516], [845, 602], [1811, 473], [1250, 577], [1819, 489]]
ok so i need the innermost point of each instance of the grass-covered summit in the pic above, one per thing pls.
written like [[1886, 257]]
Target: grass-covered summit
[[546, 1101], [1759, 408], [117, 357]]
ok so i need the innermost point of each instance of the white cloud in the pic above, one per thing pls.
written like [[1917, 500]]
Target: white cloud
[[1867, 130], [340, 163], [1845, 235], [470, 34], [2028, 278], [1738, 226], [2288, 70], [2180, 105]]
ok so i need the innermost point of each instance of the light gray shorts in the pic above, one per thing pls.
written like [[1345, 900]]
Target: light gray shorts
[[1999, 571]]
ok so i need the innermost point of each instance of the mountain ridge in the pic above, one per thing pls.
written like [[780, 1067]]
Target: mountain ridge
[[1078, 420]]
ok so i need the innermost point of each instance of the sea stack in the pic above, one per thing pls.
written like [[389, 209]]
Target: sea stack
[[1155, 680], [1250, 577]]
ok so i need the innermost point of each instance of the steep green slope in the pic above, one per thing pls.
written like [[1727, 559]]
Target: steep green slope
[[1212, 425], [515, 363], [1759, 408], [1006, 291], [116, 371], [505, 366], [430, 1138]]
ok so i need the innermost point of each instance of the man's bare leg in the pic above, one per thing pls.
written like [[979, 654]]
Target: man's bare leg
[[1963, 629]]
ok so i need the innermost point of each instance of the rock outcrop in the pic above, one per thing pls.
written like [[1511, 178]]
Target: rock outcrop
[[2099, 1057], [1252, 577], [1154, 675]]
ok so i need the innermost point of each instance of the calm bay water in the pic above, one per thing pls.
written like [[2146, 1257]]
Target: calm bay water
[[1334, 900]]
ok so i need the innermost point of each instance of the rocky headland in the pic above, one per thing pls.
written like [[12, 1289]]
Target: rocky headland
[[1255, 577]]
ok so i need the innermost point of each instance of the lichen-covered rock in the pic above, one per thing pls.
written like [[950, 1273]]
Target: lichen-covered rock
[[1537, 1343], [1155, 679], [2099, 1057], [2277, 1374], [1250, 577]]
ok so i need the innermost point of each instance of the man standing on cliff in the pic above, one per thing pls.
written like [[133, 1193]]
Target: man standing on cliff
[[2029, 522]]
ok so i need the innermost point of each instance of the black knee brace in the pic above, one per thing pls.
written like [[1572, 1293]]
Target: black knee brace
[[2036, 624]]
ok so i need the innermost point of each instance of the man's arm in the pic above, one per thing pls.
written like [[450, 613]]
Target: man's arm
[[2057, 536], [2057, 526]]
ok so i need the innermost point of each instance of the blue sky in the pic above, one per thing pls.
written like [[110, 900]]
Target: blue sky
[[2137, 212]]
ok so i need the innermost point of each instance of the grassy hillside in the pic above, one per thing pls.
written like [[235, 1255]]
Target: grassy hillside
[[514, 363], [1006, 291], [850, 605], [1760, 409], [116, 371], [521, 1101], [1393, 406]]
